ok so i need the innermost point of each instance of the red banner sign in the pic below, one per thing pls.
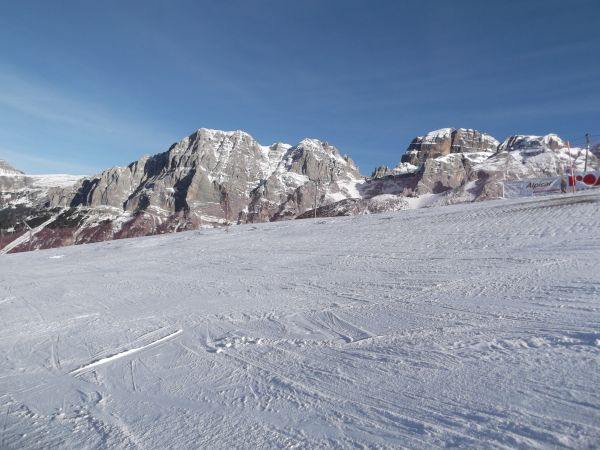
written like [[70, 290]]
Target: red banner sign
[[586, 180]]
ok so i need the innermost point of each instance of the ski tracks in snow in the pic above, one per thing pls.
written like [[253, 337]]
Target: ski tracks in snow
[[111, 358], [468, 326]]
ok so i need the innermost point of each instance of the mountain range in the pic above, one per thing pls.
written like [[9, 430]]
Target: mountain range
[[214, 177]]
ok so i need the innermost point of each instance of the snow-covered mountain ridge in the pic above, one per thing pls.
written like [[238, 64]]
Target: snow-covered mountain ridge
[[212, 177], [210, 168], [7, 169]]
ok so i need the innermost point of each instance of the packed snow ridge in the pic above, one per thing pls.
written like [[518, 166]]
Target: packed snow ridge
[[474, 326]]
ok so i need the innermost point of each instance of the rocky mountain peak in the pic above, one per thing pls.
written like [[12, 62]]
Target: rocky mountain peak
[[320, 162], [214, 176], [220, 174], [448, 140], [381, 171], [529, 143]]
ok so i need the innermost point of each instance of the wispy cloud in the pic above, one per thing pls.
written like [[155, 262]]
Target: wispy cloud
[[23, 160], [38, 99]]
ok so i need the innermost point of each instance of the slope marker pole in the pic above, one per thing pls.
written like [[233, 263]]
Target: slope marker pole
[[587, 150], [571, 163], [316, 193]]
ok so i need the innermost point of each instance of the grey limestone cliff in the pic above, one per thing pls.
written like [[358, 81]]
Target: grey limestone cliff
[[446, 141], [218, 175]]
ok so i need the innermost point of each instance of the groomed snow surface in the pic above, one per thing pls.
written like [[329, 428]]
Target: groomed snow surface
[[474, 325]]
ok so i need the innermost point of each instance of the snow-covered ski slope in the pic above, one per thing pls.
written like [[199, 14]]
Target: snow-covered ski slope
[[473, 325]]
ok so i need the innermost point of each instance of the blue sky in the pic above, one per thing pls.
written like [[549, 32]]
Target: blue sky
[[87, 85]]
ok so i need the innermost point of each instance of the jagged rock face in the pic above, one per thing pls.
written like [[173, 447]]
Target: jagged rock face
[[32, 191], [521, 157], [24, 199], [395, 184], [448, 172], [472, 141], [212, 175], [433, 144], [10, 184], [471, 161], [320, 162], [442, 174], [196, 172], [448, 140], [219, 174], [382, 172], [11, 180], [205, 178], [446, 157], [441, 160], [311, 171], [15, 186], [73, 226], [356, 206], [532, 144]]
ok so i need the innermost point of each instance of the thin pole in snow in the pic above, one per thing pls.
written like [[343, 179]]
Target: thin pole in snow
[[316, 193], [587, 149], [30, 234], [571, 163], [505, 172]]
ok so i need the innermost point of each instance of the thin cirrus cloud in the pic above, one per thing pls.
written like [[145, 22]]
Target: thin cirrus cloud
[[44, 102], [21, 159]]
